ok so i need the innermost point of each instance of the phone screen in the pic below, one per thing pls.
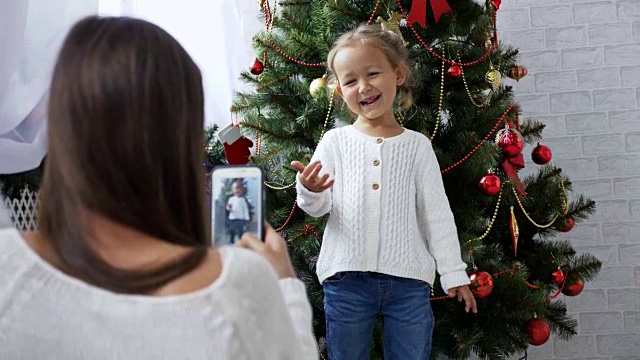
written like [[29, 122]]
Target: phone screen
[[236, 203]]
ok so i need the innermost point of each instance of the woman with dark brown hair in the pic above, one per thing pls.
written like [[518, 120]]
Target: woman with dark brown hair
[[121, 267]]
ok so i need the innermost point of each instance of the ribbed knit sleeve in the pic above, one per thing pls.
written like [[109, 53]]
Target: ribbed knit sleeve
[[280, 324], [299, 308], [314, 203], [436, 220]]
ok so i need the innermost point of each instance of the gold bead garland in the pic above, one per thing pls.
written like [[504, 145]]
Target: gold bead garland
[[400, 117], [494, 217], [273, 82], [274, 187], [440, 101], [326, 119], [466, 87], [565, 206]]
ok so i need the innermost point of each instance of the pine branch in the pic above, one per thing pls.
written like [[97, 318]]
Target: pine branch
[[582, 208], [587, 265], [267, 133], [561, 324], [532, 131], [294, 2]]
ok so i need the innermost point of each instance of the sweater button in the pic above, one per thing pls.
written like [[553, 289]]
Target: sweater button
[[375, 186], [376, 162], [379, 140]]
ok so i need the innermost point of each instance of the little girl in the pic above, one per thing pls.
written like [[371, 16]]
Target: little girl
[[390, 226], [239, 209]]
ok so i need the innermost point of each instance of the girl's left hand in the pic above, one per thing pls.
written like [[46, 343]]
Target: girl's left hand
[[465, 294]]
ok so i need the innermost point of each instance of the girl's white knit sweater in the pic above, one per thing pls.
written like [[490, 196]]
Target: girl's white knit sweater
[[388, 209]]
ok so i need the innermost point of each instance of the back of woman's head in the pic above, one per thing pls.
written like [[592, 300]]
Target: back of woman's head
[[126, 117], [390, 43]]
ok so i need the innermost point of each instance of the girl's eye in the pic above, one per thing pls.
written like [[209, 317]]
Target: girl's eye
[[348, 82], [373, 74]]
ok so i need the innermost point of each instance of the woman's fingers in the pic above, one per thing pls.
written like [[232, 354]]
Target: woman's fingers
[[249, 241]]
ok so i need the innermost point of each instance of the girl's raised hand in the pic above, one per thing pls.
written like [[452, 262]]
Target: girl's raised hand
[[310, 178]]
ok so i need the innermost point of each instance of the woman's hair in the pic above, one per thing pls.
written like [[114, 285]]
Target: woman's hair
[[390, 43], [126, 118]]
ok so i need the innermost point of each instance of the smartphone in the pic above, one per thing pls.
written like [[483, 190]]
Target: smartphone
[[237, 203]]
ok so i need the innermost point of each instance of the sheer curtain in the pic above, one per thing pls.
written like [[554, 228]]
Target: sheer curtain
[[216, 33], [30, 34]]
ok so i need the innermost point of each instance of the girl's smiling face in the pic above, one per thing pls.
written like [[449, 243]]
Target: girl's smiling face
[[237, 188], [367, 81]]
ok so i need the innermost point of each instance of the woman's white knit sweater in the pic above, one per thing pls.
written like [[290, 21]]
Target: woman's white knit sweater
[[388, 209], [245, 314]]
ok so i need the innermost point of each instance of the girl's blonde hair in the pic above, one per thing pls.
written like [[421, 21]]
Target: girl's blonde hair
[[390, 43]]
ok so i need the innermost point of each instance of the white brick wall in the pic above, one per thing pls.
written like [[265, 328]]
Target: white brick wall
[[583, 58]]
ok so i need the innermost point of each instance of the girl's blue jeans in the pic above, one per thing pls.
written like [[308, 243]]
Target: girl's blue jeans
[[352, 300]]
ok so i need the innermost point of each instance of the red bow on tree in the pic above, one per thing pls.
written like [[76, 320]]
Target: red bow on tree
[[511, 166], [418, 13]]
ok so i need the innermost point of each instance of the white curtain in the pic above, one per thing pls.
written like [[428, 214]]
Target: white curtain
[[31, 32], [216, 33]]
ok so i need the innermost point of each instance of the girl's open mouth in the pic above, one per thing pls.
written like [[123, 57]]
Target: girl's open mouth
[[369, 100]]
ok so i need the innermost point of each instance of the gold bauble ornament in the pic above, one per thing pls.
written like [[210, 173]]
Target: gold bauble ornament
[[494, 78], [316, 85]]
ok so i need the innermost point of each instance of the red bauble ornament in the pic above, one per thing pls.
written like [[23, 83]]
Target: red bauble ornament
[[489, 184], [510, 141], [573, 286], [538, 331], [568, 225], [557, 276], [496, 3], [454, 71], [481, 283], [541, 154], [257, 67]]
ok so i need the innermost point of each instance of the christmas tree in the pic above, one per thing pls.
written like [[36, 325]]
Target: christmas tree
[[213, 150], [507, 225]]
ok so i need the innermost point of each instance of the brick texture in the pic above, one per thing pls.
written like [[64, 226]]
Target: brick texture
[[583, 58]]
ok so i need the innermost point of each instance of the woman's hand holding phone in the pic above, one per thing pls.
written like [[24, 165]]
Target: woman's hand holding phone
[[274, 249]]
